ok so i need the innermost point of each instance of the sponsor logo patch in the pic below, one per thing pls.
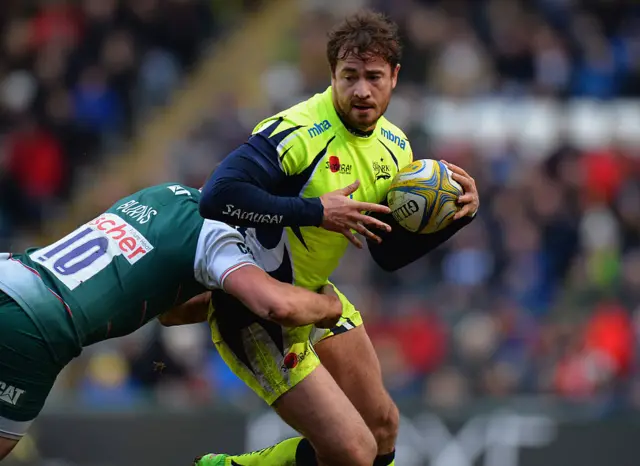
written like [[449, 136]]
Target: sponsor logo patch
[[10, 394], [89, 249]]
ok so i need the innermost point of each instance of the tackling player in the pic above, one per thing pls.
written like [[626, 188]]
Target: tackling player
[[151, 254], [286, 188]]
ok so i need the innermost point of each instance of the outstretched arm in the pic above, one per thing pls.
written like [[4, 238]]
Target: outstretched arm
[[224, 262], [279, 302], [285, 304]]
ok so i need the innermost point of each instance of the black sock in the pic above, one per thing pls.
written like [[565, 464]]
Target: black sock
[[305, 454], [385, 460]]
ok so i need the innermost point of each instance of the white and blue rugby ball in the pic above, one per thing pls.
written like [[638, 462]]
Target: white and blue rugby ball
[[423, 196]]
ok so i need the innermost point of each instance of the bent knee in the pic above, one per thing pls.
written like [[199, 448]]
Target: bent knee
[[362, 455], [385, 424], [359, 450]]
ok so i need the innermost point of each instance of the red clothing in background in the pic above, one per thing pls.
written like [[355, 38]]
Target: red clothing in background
[[36, 163]]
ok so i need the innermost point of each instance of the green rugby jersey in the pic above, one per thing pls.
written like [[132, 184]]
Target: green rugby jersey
[[146, 254], [317, 152]]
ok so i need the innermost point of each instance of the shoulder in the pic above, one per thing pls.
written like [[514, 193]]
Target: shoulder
[[304, 114], [296, 133], [307, 120], [169, 199], [395, 140], [167, 193]]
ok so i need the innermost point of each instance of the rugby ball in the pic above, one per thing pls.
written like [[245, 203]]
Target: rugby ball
[[423, 196]]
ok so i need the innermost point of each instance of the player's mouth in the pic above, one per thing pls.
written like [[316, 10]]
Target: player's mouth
[[363, 108]]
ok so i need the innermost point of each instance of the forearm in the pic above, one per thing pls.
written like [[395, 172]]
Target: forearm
[[244, 204], [308, 308], [193, 311], [400, 247], [279, 302], [247, 190]]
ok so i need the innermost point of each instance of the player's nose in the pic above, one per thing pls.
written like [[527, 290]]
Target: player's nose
[[362, 90]]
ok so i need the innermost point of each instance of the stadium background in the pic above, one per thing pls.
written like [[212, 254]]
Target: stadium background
[[514, 344]]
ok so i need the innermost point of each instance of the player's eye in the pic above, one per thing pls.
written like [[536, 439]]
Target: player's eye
[[350, 78], [374, 78]]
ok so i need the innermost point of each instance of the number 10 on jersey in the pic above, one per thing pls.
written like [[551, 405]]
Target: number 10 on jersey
[[80, 255]]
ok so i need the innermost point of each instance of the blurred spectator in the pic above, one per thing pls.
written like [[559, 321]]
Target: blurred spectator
[[36, 165], [72, 78], [97, 107]]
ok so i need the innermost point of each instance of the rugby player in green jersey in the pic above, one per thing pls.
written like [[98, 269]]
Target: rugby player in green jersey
[[151, 254], [285, 188]]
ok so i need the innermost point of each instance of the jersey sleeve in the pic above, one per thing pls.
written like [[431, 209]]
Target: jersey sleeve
[[257, 183], [221, 250], [400, 247]]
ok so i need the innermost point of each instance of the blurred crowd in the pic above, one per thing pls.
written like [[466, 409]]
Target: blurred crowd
[[539, 296], [75, 78]]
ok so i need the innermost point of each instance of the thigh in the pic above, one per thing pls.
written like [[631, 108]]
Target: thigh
[[27, 370], [322, 413], [6, 445], [269, 358], [352, 361], [349, 356]]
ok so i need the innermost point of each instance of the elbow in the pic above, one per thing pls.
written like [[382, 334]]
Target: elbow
[[386, 262], [211, 204], [206, 209], [218, 198], [389, 266]]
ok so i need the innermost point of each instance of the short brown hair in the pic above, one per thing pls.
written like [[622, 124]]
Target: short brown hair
[[365, 35]]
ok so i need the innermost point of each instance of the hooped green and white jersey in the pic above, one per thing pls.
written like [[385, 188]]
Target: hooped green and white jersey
[[319, 155], [149, 252]]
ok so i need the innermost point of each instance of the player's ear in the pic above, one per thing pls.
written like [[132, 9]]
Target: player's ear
[[394, 76]]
